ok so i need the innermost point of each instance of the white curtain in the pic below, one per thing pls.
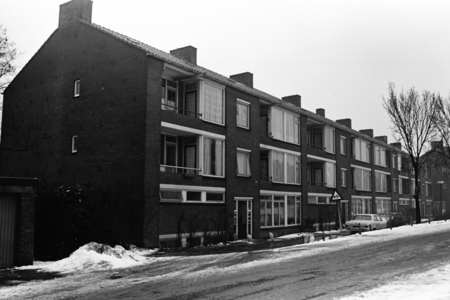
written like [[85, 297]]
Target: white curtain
[[277, 123], [242, 115], [207, 156], [364, 151], [190, 159], [212, 104], [329, 139], [219, 157], [290, 128], [290, 168], [357, 149], [330, 174], [277, 166], [243, 163]]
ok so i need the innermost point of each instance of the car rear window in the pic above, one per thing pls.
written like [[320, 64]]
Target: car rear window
[[365, 218]]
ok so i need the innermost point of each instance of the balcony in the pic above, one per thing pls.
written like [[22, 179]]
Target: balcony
[[178, 110], [187, 172]]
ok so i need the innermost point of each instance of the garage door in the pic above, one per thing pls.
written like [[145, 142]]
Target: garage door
[[8, 227]]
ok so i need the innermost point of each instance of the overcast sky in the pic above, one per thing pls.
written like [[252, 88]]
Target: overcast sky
[[338, 55]]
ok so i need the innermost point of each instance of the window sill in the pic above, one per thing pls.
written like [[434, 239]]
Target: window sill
[[286, 183], [279, 226], [246, 128], [244, 176], [281, 140], [192, 202], [220, 124], [213, 176]]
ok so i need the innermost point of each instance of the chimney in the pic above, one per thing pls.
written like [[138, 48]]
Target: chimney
[[320, 112], [368, 132], [345, 122], [382, 138], [396, 145], [187, 53], [244, 78], [293, 99], [75, 10]]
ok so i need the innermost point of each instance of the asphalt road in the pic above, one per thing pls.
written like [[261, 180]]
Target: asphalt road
[[324, 276]]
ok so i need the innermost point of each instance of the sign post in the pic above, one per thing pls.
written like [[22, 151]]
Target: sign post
[[337, 197]]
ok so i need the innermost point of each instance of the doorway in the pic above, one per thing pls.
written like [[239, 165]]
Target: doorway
[[243, 217]]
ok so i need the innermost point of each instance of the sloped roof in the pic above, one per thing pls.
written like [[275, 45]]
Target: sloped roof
[[149, 50]]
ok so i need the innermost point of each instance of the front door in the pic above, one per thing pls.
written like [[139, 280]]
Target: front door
[[243, 218], [8, 228]]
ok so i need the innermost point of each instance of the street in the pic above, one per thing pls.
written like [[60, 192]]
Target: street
[[320, 270]]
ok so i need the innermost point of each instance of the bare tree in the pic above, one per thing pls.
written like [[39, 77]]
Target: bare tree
[[8, 54], [441, 155], [412, 116]]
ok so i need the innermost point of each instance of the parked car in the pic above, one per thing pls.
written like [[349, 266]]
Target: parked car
[[366, 222], [394, 218]]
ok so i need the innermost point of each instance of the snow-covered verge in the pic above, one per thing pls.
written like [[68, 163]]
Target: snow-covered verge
[[430, 285], [93, 257]]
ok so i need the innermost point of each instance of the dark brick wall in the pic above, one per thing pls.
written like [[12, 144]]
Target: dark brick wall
[[41, 115]]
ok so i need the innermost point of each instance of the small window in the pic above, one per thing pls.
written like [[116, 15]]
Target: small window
[[171, 196], [214, 197], [76, 89], [243, 163], [343, 144], [343, 177], [74, 144], [194, 196], [243, 114]]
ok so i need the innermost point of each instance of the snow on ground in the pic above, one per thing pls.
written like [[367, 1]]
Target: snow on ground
[[430, 285], [85, 260], [93, 257]]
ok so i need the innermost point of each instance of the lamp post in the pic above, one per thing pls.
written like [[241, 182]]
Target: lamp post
[[441, 183]]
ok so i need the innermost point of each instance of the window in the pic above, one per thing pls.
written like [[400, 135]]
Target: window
[[329, 139], [213, 103], [361, 150], [399, 162], [394, 185], [74, 144], [383, 205], [285, 126], [343, 177], [191, 194], [168, 154], [169, 93], [330, 169], [403, 201], [77, 88], [362, 179], [380, 182], [243, 162], [361, 205], [280, 210], [429, 189], [213, 157], [318, 199], [380, 156], [285, 167], [394, 158], [243, 114], [343, 145], [400, 185]]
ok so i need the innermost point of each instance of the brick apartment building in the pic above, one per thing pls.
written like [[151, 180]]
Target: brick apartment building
[[111, 108]]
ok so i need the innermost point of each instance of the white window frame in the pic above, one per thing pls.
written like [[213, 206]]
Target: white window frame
[[184, 189], [167, 88], [344, 177], [361, 150], [281, 133], [202, 101], [380, 182], [272, 195], [404, 201], [329, 139], [297, 167], [366, 205], [379, 156], [365, 184], [74, 144], [77, 88], [246, 104], [202, 155], [343, 145], [313, 198], [247, 154]]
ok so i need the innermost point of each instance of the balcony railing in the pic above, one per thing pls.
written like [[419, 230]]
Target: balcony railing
[[180, 170], [266, 133], [313, 146], [181, 111]]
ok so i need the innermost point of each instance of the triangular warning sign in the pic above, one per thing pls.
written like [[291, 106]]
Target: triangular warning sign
[[336, 196]]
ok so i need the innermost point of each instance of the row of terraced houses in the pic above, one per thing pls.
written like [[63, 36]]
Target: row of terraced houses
[[109, 106]]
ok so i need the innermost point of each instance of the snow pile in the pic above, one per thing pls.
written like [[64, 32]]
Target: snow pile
[[431, 285], [94, 256]]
